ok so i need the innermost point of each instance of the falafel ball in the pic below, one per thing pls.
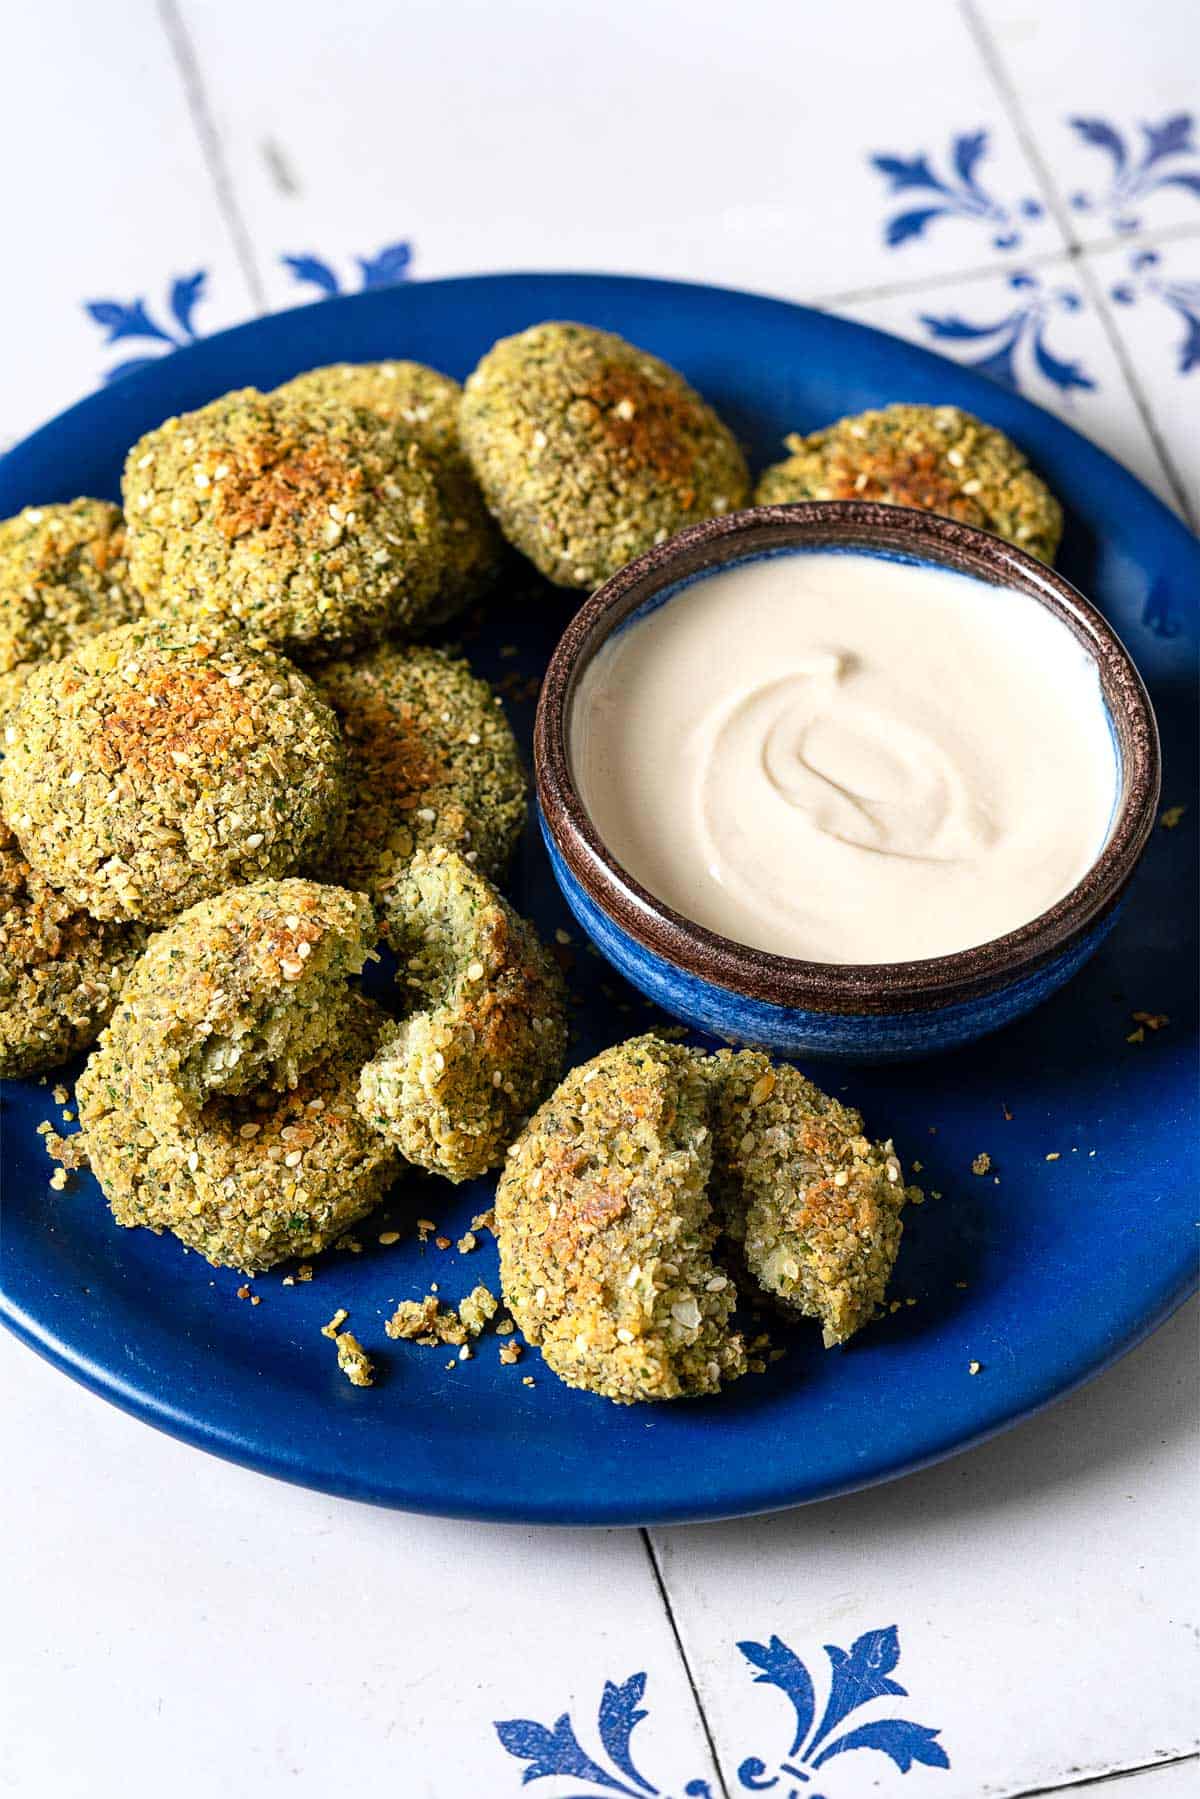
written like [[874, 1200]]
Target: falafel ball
[[316, 526], [606, 1230], [813, 1202], [63, 578], [589, 450], [486, 1032], [220, 1103], [61, 972], [432, 759], [936, 457], [422, 404], [159, 764]]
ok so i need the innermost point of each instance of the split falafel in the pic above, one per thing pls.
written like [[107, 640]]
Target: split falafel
[[589, 450], [220, 1103], [606, 1230], [486, 1030], [812, 1202]]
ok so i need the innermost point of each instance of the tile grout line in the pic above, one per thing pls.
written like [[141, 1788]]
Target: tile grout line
[[1010, 99], [1075, 252], [1099, 1780], [210, 146], [661, 1584]]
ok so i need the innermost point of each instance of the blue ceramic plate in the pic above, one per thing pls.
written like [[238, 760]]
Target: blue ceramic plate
[[1042, 1271]]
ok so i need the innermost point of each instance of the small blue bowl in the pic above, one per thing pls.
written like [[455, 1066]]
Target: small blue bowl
[[860, 1011]]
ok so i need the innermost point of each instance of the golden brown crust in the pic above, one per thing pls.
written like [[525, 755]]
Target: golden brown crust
[[606, 1231], [938, 458]]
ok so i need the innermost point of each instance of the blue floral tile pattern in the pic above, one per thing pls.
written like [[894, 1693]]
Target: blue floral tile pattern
[[956, 194], [1140, 164], [391, 264], [132, 319], [1145, 281], [1014, 348], [857, 1676], [123, 319]]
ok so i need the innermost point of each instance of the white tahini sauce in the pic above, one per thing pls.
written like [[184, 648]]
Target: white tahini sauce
[[845, 758]]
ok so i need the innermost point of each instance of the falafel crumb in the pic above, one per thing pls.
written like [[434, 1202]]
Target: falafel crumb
[[477, 1308], [426, 1321], [504, 1327], [1171, 817], [335, 1323], [58, 1179], [354, 1361], [387, 1238], [510, 1353], [466, 1243], [974, 1367], [70, 1151], [982, 1163]]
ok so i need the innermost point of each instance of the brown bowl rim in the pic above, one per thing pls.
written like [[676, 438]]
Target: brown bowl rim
[[853, 988]]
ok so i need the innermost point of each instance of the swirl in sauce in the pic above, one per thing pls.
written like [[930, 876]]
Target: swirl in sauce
[[845, 758]]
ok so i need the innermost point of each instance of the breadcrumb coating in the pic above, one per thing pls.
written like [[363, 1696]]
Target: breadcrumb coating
[[935, 457], [814, 1204], [220, 1102], [606, 1231], [316, 526], [589, 450], [61, 971], [486, 1030], [432, 760], [161, 763], [422, 404], [63, 578]]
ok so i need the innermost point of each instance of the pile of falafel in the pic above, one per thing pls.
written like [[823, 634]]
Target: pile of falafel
[[233, 765]]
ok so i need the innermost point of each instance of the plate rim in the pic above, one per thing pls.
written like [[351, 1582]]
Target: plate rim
[[601, 1511]]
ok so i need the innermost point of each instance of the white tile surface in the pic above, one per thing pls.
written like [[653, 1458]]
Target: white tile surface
[[1056, 309], [724, 144], [1125, 73], [200, 1629], [1035, 1582], [1153, 295], [107, 199], [1171, 1780], [176, 1625]]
